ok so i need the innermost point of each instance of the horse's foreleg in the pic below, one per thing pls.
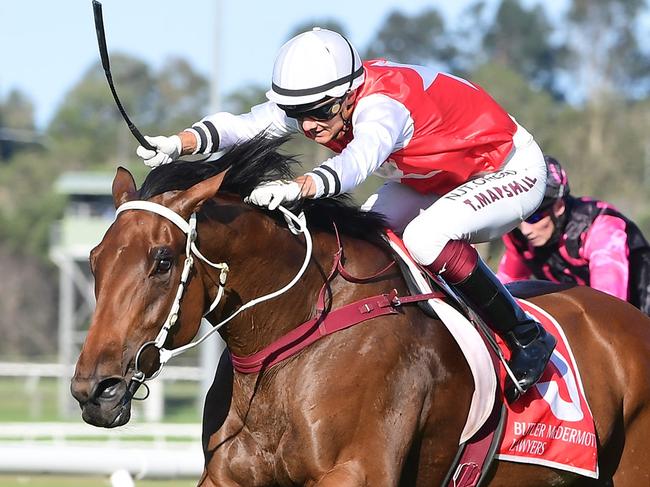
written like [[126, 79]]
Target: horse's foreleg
[[633, 468]]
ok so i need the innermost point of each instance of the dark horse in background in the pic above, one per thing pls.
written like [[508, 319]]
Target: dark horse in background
[[379, 404]]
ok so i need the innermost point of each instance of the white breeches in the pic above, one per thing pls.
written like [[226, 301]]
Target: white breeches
[[482, 209]]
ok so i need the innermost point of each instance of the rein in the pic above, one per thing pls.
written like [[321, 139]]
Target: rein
[[189, 229], [327, 322]]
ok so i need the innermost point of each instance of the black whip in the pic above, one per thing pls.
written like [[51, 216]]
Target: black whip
[[103, 52]]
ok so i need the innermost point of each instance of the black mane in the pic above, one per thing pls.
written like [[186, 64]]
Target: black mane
[[256, 161]]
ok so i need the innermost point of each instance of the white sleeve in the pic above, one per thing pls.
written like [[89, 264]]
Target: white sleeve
[[381, 126], [223, 130]]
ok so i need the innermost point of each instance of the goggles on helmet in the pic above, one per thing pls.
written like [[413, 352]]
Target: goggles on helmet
[[544, 210], [320, 110], [538, 215]]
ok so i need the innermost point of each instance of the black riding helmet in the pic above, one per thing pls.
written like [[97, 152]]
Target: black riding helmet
[[557, 183], [557, 187]]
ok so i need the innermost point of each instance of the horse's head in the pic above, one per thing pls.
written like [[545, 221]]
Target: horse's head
[[137, 269], [142, 280]]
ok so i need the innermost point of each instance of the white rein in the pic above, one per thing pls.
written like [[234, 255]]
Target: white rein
[[297, 225]]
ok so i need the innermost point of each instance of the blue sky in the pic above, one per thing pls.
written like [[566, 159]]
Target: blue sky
[[47, 45]]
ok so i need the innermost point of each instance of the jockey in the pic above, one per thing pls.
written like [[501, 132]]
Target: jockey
[[460, 169], [579, 240]]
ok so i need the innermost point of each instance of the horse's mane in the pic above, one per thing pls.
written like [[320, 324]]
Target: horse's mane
[[253, 162]]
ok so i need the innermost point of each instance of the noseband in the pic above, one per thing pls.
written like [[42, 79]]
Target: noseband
[[189, 229], [297, 225]]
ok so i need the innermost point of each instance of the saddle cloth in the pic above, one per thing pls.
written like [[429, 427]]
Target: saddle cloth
[[552, 424]]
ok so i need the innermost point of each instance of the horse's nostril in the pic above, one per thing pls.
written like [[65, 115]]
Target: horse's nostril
[[109, 389], [80, 389]]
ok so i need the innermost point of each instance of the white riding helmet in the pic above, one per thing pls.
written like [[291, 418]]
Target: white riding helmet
[[315, 65]]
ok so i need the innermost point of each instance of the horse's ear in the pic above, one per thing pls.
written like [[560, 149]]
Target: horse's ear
[[190, 201], [123, 187]]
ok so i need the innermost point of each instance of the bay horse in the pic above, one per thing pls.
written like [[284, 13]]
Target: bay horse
[[379, 404]]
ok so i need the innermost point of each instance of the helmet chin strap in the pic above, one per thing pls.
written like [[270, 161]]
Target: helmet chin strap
[[347, 122], [343, 130]]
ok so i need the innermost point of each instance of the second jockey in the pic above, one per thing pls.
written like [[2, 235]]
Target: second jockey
[[579, 240]]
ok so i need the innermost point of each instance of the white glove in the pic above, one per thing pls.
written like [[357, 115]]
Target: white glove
[[274, 193], [167, 150]]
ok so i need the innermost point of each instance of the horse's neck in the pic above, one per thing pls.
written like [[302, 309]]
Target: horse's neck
[[261, 265], [275, 265]]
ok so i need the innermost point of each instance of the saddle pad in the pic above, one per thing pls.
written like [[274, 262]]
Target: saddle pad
[[470, 343], [552, 424]]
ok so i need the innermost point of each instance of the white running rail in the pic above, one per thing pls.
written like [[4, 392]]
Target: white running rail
[[144, 450]]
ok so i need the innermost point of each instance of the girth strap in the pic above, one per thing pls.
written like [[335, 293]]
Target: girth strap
[[323, 325], [325, 322]]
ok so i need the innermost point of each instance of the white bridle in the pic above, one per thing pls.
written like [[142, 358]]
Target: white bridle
[[297, 225]]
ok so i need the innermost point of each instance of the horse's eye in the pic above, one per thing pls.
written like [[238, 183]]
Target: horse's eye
[[163, 265]]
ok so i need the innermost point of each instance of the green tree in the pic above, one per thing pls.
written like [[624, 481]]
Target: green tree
[[17, 111], [243, 99], [535, 109], [28, 204], [519, 38], [181, 97], [16, 125], [605, 54], [608, 70], [418, 39], [88, 128]]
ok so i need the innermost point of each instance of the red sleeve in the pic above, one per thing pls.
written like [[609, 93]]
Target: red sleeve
[[512, 266]]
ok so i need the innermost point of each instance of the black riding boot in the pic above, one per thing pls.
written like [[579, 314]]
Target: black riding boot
[[530, 344]]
